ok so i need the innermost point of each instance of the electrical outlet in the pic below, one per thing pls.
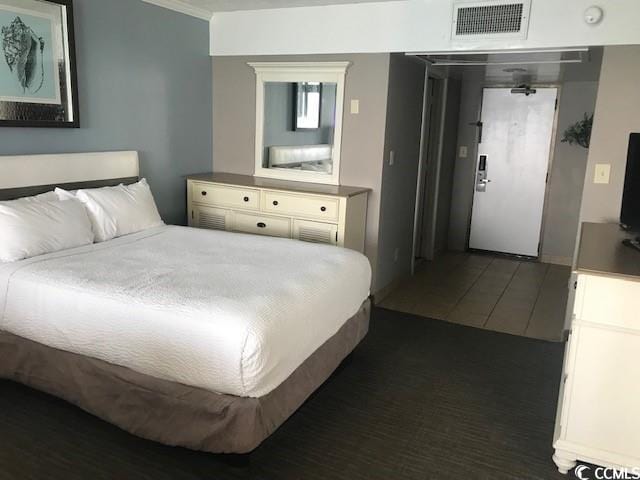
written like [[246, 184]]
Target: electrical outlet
[[602, 173], [464, 152], [392, 158]]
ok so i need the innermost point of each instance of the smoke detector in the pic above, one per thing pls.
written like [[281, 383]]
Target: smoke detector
[[593, 15]]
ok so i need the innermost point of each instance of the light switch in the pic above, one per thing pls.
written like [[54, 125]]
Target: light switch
[[602, 173], [392, 158], [464, 152], [355, 107]]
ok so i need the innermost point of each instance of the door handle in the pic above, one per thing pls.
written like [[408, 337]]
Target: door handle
[[481, 175], [480, 125]]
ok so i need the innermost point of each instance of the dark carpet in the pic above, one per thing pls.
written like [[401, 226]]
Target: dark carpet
[[421, 399]]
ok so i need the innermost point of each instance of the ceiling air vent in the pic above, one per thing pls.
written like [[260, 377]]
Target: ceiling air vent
[[490, 19]]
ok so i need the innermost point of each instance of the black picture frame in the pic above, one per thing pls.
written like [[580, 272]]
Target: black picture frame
[[296, 93], [67, 113]]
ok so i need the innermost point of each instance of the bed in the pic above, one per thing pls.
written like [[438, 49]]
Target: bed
[[203, 339]]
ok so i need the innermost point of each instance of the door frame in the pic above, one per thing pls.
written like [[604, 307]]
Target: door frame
[[421, 183], [550, 161]]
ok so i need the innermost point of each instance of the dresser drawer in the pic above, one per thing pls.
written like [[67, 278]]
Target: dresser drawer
[[608, 301], [222, 196], [322, 208], [262, 225]]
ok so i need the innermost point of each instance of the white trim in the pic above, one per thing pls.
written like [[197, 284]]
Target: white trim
[[33, 170], [182, 7], [556, 260], [499, 51], [333, 72], [300, 67]]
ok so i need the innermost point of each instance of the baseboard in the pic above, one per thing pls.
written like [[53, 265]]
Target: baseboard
[[379, 295], [555, 260]]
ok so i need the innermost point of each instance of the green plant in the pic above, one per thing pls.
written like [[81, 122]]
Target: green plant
[[580, 132]]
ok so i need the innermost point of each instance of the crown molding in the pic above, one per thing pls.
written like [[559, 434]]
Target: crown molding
[[297, 67], [182, 7]]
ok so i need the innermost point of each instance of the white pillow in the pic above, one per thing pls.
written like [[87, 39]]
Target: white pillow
[[43, 197], [117, 211], [31, 228]]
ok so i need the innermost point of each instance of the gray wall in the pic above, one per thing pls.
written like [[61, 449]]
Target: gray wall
[[464, 170], [234, 86], [404, 121], [567, 176], [447, 166], [617, 115], [144, 80]]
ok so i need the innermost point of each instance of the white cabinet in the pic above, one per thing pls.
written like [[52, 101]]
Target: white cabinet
[[598, 418], [330, 214]]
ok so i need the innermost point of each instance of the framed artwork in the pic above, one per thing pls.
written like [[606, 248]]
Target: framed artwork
[[38, 85]]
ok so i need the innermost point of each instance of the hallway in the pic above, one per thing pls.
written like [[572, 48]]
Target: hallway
[[494, 293]]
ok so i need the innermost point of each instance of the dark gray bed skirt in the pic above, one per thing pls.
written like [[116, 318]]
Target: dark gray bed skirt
[[169, 412]]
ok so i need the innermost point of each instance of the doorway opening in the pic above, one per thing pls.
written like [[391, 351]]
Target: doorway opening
[[498, 192], [514, 152]]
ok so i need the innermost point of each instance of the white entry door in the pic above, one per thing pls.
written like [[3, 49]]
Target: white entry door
[[511, 170]]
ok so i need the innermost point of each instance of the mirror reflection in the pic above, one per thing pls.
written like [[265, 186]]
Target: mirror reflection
[[307, 98], [299, 123]]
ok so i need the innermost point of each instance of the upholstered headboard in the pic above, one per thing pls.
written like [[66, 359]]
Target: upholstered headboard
[[296, 155], [25, 175]]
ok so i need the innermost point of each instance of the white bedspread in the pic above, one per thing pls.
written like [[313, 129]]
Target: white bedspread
[[227, 312]]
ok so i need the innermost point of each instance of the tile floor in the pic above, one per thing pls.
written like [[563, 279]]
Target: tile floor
[[495, 293]]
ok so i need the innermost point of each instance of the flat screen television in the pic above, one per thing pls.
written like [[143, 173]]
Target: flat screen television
[[630, 213]]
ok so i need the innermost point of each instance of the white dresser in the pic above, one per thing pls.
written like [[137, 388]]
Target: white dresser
[[305, 211], [598, 418]]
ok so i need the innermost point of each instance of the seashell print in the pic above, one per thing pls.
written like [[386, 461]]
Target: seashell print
[[23, 51]]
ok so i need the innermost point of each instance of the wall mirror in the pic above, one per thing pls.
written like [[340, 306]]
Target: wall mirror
[[299, 110]]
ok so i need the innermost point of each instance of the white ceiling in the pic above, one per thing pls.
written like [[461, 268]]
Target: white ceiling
[[234, 5]]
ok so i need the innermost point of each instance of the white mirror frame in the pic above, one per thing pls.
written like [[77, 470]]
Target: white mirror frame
[[292, 72]]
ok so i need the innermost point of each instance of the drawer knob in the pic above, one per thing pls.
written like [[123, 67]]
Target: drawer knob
[[275, 203], [246, 199], [323, 209], [204, 193], [261, 225]]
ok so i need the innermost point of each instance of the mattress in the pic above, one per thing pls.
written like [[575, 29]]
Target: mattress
[[229, 313], [169, 412]]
